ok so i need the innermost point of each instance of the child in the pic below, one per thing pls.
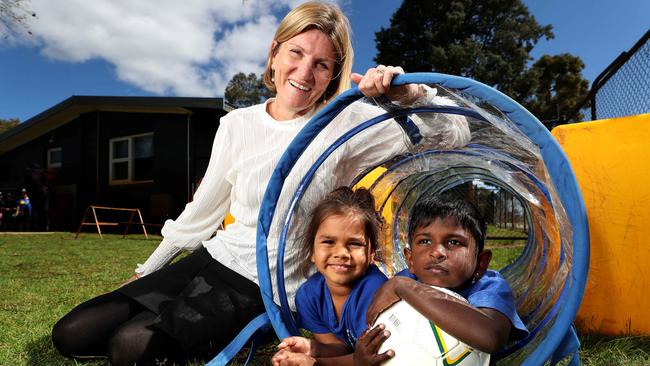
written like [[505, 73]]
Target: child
[[340, 241], [446, 250]]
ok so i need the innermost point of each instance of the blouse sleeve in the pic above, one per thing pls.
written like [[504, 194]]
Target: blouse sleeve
[[203, 215], [441, 130]]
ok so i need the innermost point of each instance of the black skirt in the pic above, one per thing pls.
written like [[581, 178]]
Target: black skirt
[[199, 301]]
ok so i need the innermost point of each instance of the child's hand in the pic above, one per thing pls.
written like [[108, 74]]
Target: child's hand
[[386, 296], [288, 358], [296, 345], [365, 351]]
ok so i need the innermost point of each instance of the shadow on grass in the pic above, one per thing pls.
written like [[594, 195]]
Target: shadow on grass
[[42, 352]]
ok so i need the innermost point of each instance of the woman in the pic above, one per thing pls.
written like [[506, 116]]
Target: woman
[[196, 305]]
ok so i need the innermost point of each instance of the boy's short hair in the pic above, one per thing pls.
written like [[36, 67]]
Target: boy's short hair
[[429, 208]]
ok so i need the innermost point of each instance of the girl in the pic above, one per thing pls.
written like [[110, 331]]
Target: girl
[[339, 241], [446, 240]]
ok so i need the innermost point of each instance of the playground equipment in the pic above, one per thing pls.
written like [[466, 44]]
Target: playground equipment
[[612, 165], [509, 150]]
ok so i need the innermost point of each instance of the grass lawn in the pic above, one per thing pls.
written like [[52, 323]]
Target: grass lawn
[[43, 276]]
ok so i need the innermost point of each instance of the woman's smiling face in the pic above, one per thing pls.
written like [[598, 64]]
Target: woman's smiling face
[[303, 68]]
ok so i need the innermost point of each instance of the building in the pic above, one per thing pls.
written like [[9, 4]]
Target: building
[[144, 152]]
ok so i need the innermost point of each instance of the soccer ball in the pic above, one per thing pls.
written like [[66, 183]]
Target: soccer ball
[[417, 341]]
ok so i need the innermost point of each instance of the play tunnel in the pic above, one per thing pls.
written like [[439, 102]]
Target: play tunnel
[[407, 148]]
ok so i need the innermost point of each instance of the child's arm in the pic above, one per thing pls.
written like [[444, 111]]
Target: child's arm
[[489, 328]]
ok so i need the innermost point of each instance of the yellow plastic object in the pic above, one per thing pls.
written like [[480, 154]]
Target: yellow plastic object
[[228, 220], [611, 160]]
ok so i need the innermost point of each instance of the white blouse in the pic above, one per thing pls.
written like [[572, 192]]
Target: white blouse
[[246, 149]]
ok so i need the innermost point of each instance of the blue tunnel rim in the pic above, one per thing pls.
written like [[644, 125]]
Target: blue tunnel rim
[[558, 168]]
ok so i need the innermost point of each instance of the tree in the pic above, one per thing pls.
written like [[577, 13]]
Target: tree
[[7, 124], [554, 86], [14, 14], [244, 91], [487, 40]]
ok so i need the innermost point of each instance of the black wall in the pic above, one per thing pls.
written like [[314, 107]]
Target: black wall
[[83, 178]]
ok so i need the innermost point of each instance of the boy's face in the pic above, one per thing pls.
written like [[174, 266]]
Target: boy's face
[[442, 254]]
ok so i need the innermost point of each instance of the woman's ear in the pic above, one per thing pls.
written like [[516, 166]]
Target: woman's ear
[[274, 51]]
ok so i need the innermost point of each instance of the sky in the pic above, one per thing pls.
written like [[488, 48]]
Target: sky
[[192, 48]]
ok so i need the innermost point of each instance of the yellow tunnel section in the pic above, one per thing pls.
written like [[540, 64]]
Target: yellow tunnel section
[[611, 161]]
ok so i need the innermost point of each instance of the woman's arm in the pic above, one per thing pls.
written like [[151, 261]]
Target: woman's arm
[[385, 140], [489, 328], [203, 215]]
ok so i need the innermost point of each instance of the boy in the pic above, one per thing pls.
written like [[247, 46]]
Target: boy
[[446, 239]]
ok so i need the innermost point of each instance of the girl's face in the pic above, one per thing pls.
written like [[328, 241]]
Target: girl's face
[[303, 68], [341, 250], [442, 254]]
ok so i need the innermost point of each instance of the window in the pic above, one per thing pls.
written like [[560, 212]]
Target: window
[[54, 157], [131, 159]]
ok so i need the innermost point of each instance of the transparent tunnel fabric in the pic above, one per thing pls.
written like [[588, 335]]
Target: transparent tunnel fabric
[[508, 150]]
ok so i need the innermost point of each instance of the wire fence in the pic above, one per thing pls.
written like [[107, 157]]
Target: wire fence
[[622, 89]]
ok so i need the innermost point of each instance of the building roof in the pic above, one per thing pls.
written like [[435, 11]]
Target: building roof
[[74, 106]]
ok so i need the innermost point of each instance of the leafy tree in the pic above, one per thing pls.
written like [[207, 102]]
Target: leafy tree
[[245, 90], [7, 124], [487, 40], [13, 14], [554, 86]]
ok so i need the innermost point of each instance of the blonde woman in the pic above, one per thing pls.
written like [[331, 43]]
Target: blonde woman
[[195, 306]]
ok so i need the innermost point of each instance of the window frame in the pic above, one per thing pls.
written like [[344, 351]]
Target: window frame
[[129, 159], [53, 165]]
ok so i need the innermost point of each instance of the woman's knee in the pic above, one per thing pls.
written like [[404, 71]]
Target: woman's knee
[[64, 335]]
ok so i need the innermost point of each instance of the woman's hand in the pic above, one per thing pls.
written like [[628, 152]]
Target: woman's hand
[[287, 358], [365, 351], [377, 81], [133, 278], [296, 345]]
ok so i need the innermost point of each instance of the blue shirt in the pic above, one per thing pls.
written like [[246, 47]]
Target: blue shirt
[[491, 291], [316, 310]]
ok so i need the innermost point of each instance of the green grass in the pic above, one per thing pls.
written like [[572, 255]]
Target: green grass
[[44, 276]]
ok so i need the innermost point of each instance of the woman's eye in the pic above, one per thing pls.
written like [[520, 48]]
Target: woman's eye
[[294, 52], [322, 66]]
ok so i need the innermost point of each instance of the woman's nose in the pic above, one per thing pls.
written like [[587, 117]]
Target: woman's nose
[[305, 70]]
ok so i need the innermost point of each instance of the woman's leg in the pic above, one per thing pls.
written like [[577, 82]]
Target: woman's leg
[[85, 330], [137, 342]]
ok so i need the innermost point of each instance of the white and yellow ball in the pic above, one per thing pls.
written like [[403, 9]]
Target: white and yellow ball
[[417, 341]]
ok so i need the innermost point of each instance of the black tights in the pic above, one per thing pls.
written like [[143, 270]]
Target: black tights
[[114, 326]]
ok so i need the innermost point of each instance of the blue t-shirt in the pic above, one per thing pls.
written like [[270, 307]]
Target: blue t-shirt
[[491, 291], [316, 310]]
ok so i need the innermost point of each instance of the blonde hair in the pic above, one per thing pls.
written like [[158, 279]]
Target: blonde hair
[[329, 19]]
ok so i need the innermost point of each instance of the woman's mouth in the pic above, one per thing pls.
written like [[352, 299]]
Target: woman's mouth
[[297, 85]]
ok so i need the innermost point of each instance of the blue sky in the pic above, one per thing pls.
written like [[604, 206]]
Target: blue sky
[[104, 47]]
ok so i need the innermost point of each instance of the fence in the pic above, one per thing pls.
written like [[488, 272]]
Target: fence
[[622, 89]]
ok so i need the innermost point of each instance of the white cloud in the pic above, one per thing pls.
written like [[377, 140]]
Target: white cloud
[[171, 47]]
